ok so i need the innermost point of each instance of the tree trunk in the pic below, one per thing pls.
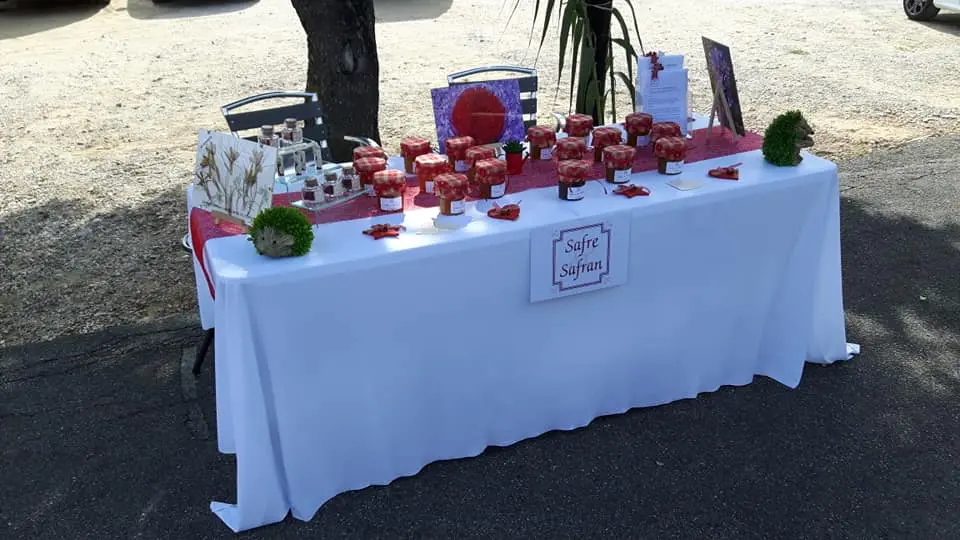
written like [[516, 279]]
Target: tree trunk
[[599, 20], [343, 68]]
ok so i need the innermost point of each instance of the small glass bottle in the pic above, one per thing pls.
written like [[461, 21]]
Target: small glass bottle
[[293, 126], [311, 192], [331, 187], [266, 136], [350, 180]]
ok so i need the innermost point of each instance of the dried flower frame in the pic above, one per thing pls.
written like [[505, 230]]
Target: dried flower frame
[[234, 177]]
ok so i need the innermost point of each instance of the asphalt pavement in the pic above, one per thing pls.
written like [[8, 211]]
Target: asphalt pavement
[[103, 436]]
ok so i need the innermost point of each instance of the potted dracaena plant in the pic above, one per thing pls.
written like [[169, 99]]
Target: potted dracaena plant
[[585, 33], [515, 157]]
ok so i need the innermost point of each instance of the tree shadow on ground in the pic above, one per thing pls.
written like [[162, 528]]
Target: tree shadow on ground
[[863, 448], [40, 16], [68, 269], [948, 23], [410, 10], [176, 9]]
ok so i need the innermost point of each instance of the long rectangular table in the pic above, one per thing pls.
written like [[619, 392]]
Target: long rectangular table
[[365, 360]]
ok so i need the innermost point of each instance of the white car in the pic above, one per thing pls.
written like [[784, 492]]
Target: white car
[[924, 10]]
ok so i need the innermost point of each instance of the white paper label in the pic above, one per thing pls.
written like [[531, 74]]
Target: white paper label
[[546, 153], [622, 177], [643, 140], [574, 193], [458, 207], [391, 204], [497, 190], [369, 190], [674, 167], [429, 186], [460, 166]]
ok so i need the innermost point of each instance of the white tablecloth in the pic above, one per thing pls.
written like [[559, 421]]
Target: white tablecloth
[[365, 360]]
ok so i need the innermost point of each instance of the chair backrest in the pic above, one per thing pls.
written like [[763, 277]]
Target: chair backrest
[[310, 112], [528, 86]]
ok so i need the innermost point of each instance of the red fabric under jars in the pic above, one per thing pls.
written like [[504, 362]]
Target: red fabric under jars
[[670, 152], [390, 185], [570, 148], [491, 178], [604, 137], [541, 139], [456, 149], [410, 148], [366, 167], [638, 127], [428, 166], [619, 162], [578, 125], [451, 191]]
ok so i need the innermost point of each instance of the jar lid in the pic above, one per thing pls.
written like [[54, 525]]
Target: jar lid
[[266, 129], [348, 168], [291, 122], [311, 182]]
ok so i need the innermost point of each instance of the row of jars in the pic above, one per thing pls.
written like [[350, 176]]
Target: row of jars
[[292, 131]]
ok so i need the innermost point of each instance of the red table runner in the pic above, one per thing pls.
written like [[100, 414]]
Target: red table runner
[[537, 174]]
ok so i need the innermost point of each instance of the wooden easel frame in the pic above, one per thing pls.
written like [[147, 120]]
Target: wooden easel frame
[[720, 107]]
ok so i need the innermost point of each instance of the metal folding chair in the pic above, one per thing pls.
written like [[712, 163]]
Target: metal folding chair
[[309, 111]]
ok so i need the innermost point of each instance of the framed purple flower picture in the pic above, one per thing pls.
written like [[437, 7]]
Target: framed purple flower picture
[[720, 67], [488, 111]]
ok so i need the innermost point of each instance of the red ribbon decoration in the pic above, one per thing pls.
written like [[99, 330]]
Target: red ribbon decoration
[[727, 173], [630, 191], [655, 65], [509, 212], [384, 230]]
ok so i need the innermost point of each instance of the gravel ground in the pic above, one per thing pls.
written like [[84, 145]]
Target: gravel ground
[[102, 107]]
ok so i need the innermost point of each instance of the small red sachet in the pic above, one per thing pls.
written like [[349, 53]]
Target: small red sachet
[[510, 212], [630, 191], [384, 230], [727, 173]]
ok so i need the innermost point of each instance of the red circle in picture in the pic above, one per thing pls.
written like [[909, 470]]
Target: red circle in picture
[[479, 114]]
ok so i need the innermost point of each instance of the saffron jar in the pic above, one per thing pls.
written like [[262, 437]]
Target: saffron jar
[[410, 148], [389, 186], [670, 152], [428, 166], [619, 163], [491, 178], [541, 139], [456, 149], [451, 192], [366, 168], [571, 177]]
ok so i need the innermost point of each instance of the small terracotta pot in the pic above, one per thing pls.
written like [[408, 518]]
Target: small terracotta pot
[[515, 163]]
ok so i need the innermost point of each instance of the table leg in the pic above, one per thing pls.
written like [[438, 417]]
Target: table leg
[[202, 351]]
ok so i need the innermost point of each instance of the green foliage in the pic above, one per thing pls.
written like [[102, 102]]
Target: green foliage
[[283, 220], [575, 31], [784, 138], [513, 147]]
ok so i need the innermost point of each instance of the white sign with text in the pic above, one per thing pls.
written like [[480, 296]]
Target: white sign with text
[[579, 256]]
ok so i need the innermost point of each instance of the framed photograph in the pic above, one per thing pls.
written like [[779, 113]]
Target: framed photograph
[[720, 67], [488, 111], [233, 177]]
